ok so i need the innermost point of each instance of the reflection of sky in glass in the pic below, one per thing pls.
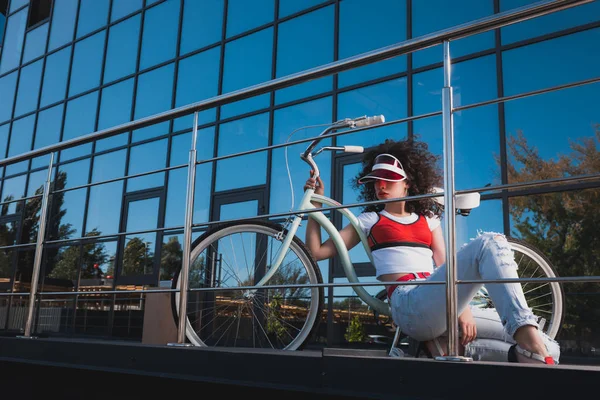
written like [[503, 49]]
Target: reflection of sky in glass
[[144, 158], [202, 24], [92, 15], [244, 15], [240, 209], [300, 47], [434, 15], [387, 98], [104, 215], [288, 7], [29, 88], [35, 43], [242, 135], [539, 26], [359, 34], [142, 214], [13, 41], [122, 8], [287, 120], [55, 76], [121, 53], [8, 84], [159, 40], [64, 15]]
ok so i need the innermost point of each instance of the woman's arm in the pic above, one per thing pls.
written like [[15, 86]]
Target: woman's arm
[[438, 246], [322, 251]]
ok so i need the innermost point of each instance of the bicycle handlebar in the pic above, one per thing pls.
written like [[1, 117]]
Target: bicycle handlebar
[[344, 123]]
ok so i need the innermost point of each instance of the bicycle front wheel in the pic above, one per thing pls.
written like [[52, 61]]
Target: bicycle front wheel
[[238, 255], [546, 299]]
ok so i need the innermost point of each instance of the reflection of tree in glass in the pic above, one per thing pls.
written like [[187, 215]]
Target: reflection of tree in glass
[[292, 274], [564, 226], [137, 257], [170, 258], [94, 255]]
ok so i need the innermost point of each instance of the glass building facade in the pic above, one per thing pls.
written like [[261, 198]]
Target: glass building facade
[[72, 67]]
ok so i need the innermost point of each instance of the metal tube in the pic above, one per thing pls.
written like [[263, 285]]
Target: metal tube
[[432, 39], [449, 200], [187, 237], [39, 248]]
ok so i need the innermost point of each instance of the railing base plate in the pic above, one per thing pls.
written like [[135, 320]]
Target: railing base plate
[[454, 358]]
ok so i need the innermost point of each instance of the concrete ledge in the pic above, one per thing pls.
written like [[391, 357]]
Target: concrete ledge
[[94, 369]]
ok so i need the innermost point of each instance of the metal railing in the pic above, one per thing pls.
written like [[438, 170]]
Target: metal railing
[[443, 37]]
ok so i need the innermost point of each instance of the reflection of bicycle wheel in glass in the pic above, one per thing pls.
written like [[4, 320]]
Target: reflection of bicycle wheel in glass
[[239, 254], [546, 299]]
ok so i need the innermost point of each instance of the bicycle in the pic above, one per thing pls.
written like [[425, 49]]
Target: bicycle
[[257, 253]]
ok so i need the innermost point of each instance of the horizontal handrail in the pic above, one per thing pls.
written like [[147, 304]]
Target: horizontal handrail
[[422, 42], [560, 279]]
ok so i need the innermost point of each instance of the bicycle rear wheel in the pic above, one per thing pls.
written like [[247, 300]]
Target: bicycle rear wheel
[[237, 255], [546, 299]]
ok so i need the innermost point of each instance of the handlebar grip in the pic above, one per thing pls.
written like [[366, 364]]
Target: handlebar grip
[[353, 149], [375, 120]]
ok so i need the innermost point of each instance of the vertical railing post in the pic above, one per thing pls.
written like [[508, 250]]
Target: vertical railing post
[[450, 220], [39, 249], [187, 238]]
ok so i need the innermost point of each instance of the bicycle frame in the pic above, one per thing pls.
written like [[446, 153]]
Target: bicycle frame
[[335, 236]]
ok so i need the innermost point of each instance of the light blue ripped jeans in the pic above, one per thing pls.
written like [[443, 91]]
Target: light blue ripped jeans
[[420, 310]]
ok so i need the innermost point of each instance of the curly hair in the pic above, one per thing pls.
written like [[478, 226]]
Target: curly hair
[[420, 165]]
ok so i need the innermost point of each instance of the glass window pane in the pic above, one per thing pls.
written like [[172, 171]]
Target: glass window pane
[[244, 15], [248, 62], [473, 81], [35, 43], [13, 41], [286, 120], [476, 145], [47, 130], [560, 129], [176, 192], [20, 142], [202, 24], [435, 15], [142, 214], [68, 222], [93, 14], [16, 4], [359, 34], [4, 129], [288, 7], [109, 166], [197, 79], [579, 59], [553, 22], [74, 173], [242, 135], [87, 64], [121, 8], [144, 158], [8, 84], [102, 215], [181, 144], [13, 188], [300, 47], [79, 120], [387, 98], [63, 23], [55, 77], [159, 40], [29, 88], [154, 94], [121, 55], [115, 109]]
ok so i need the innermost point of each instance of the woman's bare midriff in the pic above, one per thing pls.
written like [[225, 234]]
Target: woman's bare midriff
[[391, 277]]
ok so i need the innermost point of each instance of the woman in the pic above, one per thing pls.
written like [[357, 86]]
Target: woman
[[407, 243]]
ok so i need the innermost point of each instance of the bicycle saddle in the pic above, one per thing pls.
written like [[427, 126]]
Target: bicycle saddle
[[464, 202]]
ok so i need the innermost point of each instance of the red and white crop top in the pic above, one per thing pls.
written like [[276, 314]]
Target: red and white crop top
[[399, 244]]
